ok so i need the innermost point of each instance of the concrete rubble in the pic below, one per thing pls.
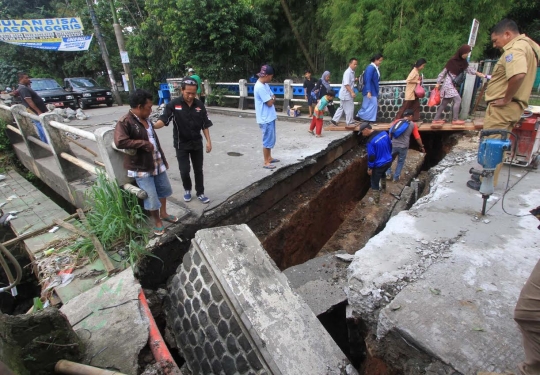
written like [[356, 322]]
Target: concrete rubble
[[440, 282], [108, 320], [232, 310]]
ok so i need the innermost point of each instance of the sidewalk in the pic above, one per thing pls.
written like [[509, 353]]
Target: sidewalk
[[442, 280]]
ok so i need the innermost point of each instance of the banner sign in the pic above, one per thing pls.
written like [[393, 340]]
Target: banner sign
[[56, 34], [474, 33]]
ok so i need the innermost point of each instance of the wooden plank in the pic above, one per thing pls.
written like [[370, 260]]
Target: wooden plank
[[33, 233], [71, 228], [425, 127], [109, 267]]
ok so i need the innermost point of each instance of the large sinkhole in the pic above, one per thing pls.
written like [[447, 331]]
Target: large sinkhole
[[297, 222], [306, 222]]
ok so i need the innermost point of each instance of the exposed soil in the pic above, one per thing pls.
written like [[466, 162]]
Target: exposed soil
[[294, 230]]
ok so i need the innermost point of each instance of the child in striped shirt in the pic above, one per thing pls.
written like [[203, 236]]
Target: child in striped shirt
[[318, 114]]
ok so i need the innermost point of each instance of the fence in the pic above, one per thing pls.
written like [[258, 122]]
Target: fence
[[55, 163], [391, 95]]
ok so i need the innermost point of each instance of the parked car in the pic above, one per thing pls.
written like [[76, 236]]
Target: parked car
[[88, 92], [51, 92]]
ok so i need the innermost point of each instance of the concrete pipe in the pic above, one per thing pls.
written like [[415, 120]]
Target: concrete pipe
[[72, 368]]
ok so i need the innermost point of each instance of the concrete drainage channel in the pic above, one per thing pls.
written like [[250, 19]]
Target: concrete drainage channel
[[230, 310]]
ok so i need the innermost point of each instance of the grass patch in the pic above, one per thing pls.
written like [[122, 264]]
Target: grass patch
[[117, 219]]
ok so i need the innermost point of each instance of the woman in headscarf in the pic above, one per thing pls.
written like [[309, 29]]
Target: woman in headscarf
[[411, 101], [454, 67], [322, 87]]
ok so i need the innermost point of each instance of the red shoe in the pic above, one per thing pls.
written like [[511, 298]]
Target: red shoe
[[458, 122], [437, 122]]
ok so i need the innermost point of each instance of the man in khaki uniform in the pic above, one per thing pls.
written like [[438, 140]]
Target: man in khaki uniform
[[510, 87], [508, 95]]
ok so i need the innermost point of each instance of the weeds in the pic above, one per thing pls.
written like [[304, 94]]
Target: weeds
[[218, 96], [117, 219]]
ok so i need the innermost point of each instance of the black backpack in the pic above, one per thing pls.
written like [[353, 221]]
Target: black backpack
[[360, 85]]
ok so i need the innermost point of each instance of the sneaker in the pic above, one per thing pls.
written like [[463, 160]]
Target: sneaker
[[396, 179], [333, 122], [437, 122], [458, 122], [388, 176], [187, 196], [204, 199]]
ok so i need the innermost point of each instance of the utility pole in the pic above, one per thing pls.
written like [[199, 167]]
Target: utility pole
[[122, 48], [104, 53]]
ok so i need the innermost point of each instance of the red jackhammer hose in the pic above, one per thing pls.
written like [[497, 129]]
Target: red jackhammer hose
[[157, 345]]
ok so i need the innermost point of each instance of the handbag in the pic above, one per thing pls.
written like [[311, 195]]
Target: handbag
[[434, 98], [459, 79], [419, 91]]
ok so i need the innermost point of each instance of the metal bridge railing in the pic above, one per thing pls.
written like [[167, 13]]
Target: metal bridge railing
[[391, 95]]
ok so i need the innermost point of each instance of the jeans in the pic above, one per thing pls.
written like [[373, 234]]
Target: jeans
[[401, 153], [196, 156], [156, 187], [377, 174], [40, 131], [268, 134]]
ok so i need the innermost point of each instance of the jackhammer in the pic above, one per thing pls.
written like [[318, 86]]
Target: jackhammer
[[490, 154]]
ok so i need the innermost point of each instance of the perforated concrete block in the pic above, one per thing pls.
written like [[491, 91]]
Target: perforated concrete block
[[233, 312]]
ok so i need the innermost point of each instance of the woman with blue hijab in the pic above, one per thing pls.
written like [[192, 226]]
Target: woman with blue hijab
[[322, 87]]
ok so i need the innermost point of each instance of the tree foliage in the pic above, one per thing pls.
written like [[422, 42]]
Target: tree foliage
[[217, 37], [229, 39], [406, 30]]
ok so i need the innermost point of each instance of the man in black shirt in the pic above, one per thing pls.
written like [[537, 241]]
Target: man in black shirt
[[189, 117], [309, 84], [32, 101]]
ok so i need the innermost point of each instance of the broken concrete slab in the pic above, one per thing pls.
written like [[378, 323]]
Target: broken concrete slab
[[232, 310], [321, 281], [443, 281], [108, 320]]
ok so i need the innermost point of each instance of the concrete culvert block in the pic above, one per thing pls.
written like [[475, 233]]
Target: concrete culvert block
[[239, 315]]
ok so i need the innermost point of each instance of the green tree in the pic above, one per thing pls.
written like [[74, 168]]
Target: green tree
[[217, 37], [406, 30]]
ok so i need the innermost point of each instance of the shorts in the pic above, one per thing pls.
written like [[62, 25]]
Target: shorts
[[311, 100], [156, 187], [269, 134]]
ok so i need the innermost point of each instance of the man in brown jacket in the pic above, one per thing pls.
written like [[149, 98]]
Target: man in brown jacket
[[148, 166]]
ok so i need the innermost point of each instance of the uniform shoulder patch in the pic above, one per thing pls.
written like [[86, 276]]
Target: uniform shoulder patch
[[509, 57]]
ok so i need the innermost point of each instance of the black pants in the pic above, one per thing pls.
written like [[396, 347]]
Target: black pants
[[377, 174], [331, 110], [185, 168]]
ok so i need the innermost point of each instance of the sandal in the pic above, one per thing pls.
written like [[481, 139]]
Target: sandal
[[159, 231], [171, 219]]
